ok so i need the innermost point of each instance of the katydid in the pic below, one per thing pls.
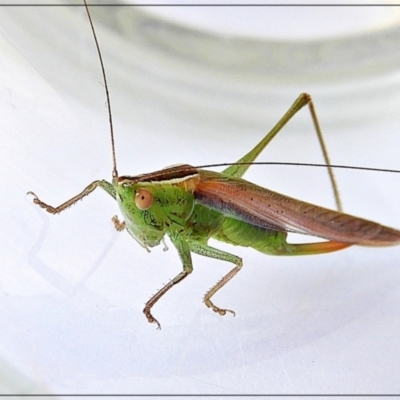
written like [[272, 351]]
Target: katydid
[[192, 205]]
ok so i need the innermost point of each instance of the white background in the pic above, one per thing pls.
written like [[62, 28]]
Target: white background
[[72, 289]]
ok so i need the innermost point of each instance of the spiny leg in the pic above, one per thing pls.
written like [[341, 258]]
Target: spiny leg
[[184, 253], [289, 249], [212, 252], [153, 300], [239, 170], [89, 189]]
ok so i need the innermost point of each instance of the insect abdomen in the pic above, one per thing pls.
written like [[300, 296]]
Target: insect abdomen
[[240, 233]]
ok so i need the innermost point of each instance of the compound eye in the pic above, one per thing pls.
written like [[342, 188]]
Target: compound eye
[[143, 199]]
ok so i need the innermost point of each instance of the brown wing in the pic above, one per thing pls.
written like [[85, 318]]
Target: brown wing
[[248, 202]]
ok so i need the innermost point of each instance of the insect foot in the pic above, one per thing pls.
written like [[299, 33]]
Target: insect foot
[[40, 203], [118, 225], [220, 311], [150, 318]]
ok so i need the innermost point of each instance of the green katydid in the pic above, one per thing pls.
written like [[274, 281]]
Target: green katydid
[[192, 205]]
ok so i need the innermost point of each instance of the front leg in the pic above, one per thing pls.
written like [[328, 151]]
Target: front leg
[[108, 187], [184, 253]]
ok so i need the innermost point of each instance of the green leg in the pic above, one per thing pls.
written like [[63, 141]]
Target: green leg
[[205, 250], [290, 249], [184, 254], [238, 171]]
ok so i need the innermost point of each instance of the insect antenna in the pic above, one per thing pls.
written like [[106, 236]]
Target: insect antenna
[[296, 164], [114, 172]]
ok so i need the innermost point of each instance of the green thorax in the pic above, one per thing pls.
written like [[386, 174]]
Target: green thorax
[[156, 203]]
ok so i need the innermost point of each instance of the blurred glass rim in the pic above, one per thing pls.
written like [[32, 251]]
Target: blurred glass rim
[[168, 63], [357, 48], [354, 69], [262, 44]]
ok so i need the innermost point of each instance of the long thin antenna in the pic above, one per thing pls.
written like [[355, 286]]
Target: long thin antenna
[[114, 172], [300, 164]]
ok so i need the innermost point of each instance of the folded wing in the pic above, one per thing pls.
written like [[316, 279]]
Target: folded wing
[[261, 207]]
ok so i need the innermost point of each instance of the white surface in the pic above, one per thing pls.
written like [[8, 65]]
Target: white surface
[[72, 289]]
